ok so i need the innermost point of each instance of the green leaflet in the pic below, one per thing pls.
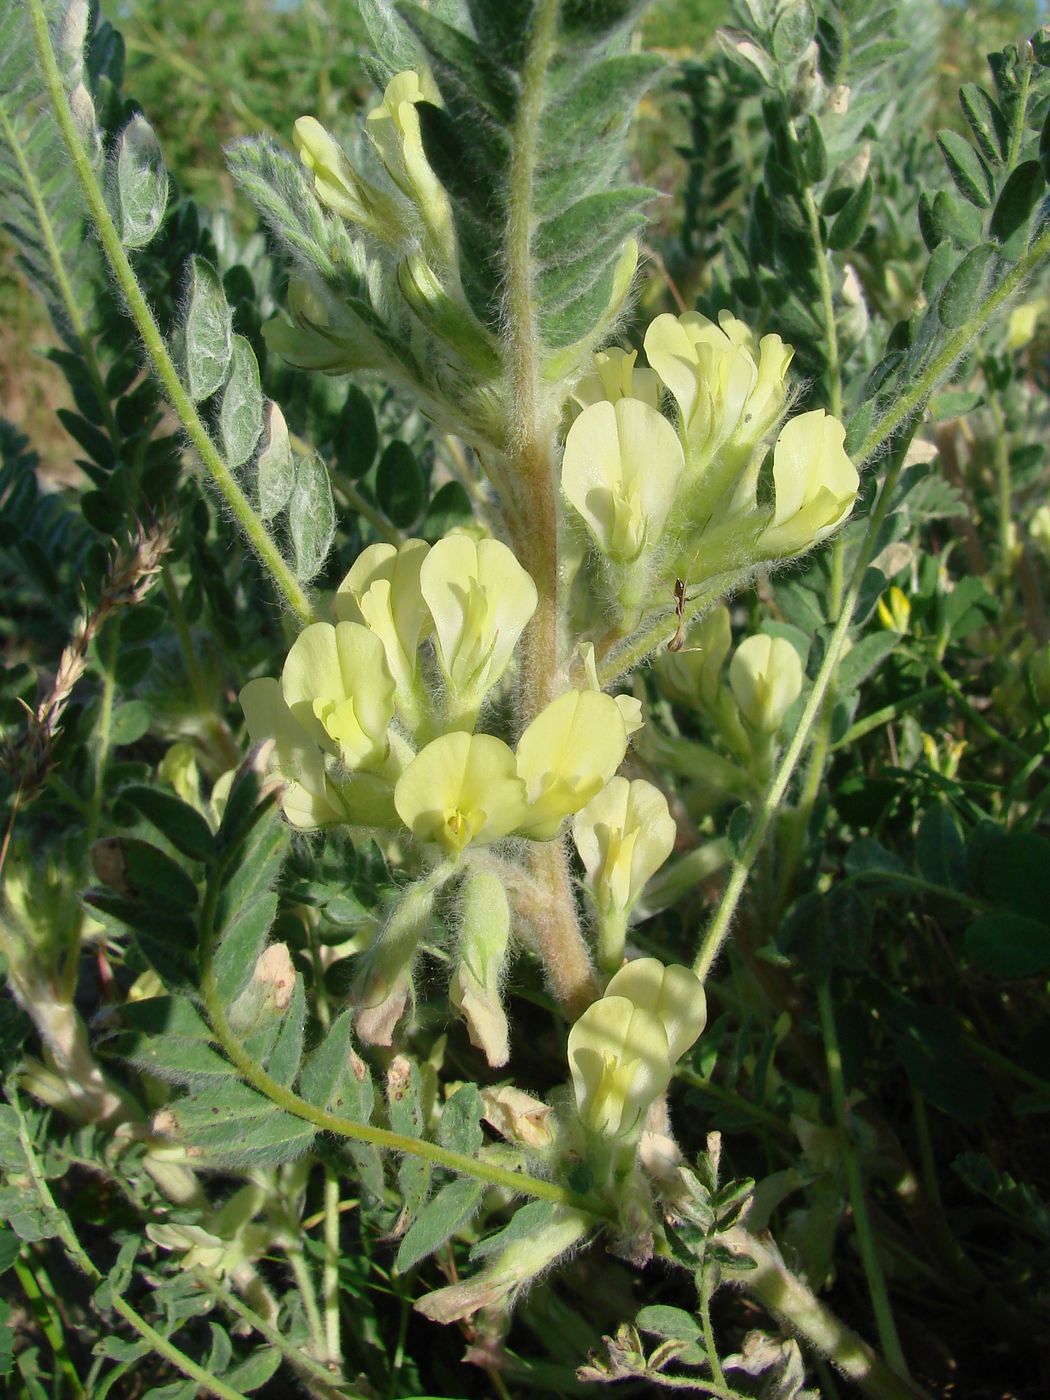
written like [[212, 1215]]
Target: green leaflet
[[452, 1207], [232, 1125]]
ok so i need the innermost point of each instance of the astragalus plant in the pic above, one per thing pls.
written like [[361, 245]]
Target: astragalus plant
[[380, 832]]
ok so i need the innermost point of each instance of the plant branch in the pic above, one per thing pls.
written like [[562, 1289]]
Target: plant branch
[[156, 349], [517, 1182], [895, 418]]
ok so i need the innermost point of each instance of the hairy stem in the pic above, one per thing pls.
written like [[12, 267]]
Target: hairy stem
[[776, 1288], [533, 516], [156, 349]]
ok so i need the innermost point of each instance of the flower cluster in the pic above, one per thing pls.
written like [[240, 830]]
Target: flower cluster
[[373, 718], [697, 499]]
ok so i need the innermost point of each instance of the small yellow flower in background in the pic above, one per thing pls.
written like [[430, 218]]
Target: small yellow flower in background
[[623, 835], [621, 469], [480, 599], [1039, 529], [461, 788], [815, 484], [382, 591], [309, 799], [393, 128], [766, 678], [340, 691], [1023, 323], [615, 376], [895, 609], [723, 391], [623, 1049], [566, 756]]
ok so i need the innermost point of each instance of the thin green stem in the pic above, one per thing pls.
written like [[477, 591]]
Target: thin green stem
[[913, 399], [305, 1284], [717, 930], [833, 368], [330, 1277], [380, 523], [710, 1342], [886, 715], [887, 1328], [44, 1309], [156, 349], [516, 1182], [320, 1380]]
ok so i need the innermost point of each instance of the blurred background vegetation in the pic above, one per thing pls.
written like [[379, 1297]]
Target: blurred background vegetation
[[209, 71]]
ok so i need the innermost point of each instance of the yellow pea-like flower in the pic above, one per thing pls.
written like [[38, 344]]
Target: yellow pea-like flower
[[480, 599], [566, 756], [814, 481], [620, 471], [728, 390], [623, 835], [382, 591], [309, 799], [623, 1049], [615, 376], [459, 789], [339, 689], [393, 128]]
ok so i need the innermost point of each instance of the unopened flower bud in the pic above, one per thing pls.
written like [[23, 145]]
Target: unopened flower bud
[[385, 984], [766, 678], [483, 944]]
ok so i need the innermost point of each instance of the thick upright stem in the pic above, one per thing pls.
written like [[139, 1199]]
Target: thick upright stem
[[533, 517]]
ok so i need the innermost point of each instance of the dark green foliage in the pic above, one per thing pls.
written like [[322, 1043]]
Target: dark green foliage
[[588, 93]]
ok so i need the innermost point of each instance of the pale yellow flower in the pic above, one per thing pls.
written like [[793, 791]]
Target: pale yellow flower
[[461, 788], [567, 755], [623, 1049], [623, 835], [393, 128], [620, 471], [616, 376], [382, 591], [480, 599], [814, 481], [309, 798], [338, 686], [765, 675], [727, 389]]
